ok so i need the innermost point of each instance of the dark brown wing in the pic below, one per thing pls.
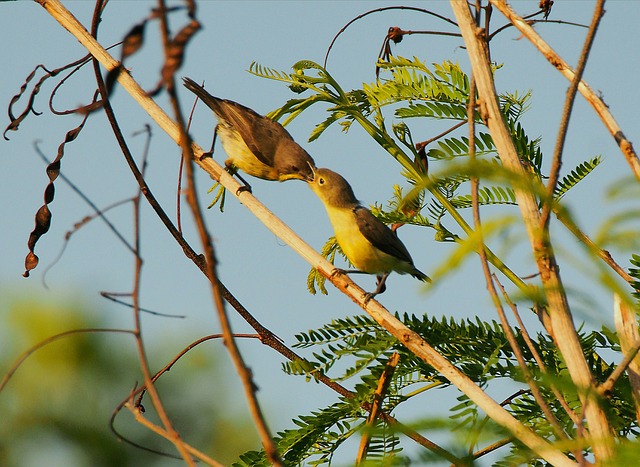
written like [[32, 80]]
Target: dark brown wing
[[261, 134], [379, 235]]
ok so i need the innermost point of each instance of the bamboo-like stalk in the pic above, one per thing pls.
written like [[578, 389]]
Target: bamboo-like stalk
[[627, 327], [564, 331], [583, 88], [410, 339]]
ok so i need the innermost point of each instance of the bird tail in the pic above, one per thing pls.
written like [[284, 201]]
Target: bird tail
[[211, 101], [420, 275]]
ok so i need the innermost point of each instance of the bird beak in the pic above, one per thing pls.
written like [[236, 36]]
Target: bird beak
[[313, 173]]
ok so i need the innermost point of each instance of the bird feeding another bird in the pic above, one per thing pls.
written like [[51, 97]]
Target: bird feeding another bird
[[254, 143], [369, 245]]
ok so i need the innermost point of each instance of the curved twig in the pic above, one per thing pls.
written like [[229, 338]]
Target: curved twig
[[554, 173], [377, 10]]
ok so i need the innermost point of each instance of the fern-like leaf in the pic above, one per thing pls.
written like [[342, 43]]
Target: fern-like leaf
[[487, 195], [449, 148], [575, 176]]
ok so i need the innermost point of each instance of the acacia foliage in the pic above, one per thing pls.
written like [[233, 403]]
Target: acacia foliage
[[360, 348]]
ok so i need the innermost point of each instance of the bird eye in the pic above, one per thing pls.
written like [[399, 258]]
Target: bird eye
[[321, 181]]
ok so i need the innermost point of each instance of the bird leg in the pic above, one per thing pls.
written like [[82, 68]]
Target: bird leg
[[380, 289], [381, 286], [233, 170], [381, 283], [209, 153]]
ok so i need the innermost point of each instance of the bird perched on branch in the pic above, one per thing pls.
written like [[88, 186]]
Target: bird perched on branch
[[254, 143], [367, 242]]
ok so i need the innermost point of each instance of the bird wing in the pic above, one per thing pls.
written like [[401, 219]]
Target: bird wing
[[261, 134], [379, 235]]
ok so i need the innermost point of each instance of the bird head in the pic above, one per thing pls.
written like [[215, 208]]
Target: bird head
[[297, 165], [332, 189]]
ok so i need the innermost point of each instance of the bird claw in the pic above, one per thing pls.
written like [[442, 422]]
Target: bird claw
[[368, 296], [337, 271], [245, 187]]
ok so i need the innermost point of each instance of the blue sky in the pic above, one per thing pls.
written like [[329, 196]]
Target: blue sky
[[266, 276]]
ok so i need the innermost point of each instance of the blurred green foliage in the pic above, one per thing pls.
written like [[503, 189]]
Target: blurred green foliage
[[56, 408]]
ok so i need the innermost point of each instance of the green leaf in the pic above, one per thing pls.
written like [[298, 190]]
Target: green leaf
[[576, 176]]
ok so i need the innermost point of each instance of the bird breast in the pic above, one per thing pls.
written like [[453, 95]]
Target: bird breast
[[360, 252], [241, 156]]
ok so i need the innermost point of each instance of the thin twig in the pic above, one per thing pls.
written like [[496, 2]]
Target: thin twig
[[423, 144], [187, 153], [376, 406], [563, 216], [554, 173], [592, 98], [184, 351], [492, 447], [606, 387], [534, 351], [155, 397], [377, 10], [27, 353], [536, 21], [112, 297], [180, 171], [167, 435]]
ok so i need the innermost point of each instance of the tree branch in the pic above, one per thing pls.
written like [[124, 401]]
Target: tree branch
[[627, 327], [376, 406], [554, 173], [564, 331]]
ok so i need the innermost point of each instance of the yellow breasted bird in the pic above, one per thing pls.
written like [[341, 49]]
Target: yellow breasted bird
[[254, 143], [367, 242]]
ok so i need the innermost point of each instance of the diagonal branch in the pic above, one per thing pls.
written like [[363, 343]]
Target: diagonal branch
[[376, 406]]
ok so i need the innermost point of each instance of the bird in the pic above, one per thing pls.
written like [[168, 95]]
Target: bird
[[254, 143], [368, 244]]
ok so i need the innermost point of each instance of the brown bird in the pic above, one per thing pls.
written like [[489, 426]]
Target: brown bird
[[254, 143]]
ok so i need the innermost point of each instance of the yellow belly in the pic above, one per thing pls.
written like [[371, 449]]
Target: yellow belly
[[360, 252], [242, 157]]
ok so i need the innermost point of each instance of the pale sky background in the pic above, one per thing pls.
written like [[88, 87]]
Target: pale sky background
[[266, 276]]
